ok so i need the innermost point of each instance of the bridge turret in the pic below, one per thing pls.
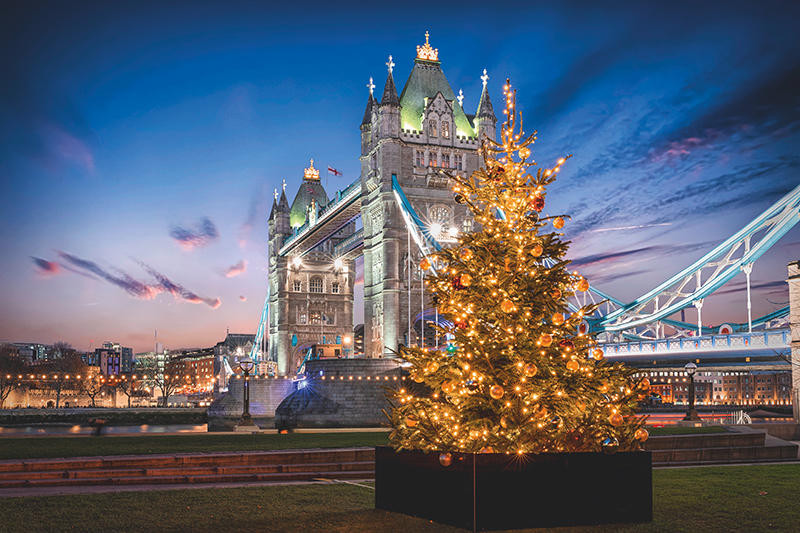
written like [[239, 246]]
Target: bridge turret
[[368, 120], [389, 109]]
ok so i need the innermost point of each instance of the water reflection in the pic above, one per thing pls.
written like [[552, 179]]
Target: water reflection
[[109, 430]]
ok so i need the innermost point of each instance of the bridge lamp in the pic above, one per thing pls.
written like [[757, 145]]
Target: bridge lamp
[[435, 229], [247, 366], [297, 262], [453, 232], [338, 264], [691, 413]]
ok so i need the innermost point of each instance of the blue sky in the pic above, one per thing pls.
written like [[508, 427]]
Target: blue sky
[[141, 142]]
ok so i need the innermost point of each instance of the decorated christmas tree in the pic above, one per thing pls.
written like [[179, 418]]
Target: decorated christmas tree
[[518, 374]]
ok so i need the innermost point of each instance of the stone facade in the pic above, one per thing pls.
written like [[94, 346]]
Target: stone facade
[[341, 393], [265, 395], [311, 297], [411, 138]]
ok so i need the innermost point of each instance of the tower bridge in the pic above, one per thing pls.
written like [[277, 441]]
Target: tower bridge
[[401, 208]]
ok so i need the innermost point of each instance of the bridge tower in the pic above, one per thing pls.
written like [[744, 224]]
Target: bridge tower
[[411, 137], [794, 325], [311, 296]]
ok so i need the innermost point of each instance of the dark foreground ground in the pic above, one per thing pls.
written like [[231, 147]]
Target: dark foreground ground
[[740, 498]]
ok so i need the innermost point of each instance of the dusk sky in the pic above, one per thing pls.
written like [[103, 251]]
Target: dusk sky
[[141, 143]]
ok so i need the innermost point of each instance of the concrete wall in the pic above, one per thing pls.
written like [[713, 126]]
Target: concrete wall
[[342, 393], [265, 395]]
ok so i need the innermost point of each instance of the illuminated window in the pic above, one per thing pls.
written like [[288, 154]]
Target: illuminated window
[[315, 285], [432, 128], [298, 285], [445, 129], [301, 317], [446, 160], [335, 287]]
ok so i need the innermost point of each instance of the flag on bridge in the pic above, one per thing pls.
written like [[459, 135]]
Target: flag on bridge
[[334, 171]]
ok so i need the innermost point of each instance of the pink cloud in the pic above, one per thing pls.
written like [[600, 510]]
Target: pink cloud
[[243, 298], [68, 147], [237, 269], [45, 267]]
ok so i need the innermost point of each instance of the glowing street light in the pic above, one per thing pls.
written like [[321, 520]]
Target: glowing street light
[[691, 414]]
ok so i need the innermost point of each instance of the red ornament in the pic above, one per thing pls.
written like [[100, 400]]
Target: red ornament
[[537, 204], [456, 283], [461, 324], [566, 343]]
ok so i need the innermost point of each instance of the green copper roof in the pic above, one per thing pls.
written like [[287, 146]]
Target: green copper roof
[[427, 79], [308, 189]]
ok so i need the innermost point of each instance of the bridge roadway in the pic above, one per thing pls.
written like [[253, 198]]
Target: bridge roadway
[[769, 349]]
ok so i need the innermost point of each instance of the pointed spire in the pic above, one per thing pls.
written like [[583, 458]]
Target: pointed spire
[[371, 102], [274, 205], [389, 90], [485, 109], [283, 203]]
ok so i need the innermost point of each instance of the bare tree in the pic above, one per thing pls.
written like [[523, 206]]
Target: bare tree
[[11, 367], [92, 386], [130, 385], [167, 382]]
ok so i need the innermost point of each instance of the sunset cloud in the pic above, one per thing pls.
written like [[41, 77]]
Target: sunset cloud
[[189, 238], [243, 298], [234, 270], [46, 268], [179, 291]]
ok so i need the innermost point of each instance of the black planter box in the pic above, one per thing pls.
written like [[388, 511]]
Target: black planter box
[[499, 491]]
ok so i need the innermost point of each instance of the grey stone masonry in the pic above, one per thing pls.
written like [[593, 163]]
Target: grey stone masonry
[[342, 393]]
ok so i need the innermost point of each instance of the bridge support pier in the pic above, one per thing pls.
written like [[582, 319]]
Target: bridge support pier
[[794, 325]]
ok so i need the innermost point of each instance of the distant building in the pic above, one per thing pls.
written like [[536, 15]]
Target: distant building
[[32, 352], [198, 367], [739, 387]]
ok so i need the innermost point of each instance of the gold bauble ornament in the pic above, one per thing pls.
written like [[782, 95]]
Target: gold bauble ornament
[[474, 433], [530, 370], [507, 306], [416, 378], [524, 152], [486, 449], [504, 422], [558, 223], [446, 459], [573, 365], [583, 285], [546, 339], [598, 354], [603, 387], [558, 319], [496, 392], [537, 250], [616, 419], [424, 263], [466, 280], [644, 384], [641, 434], [556, 294], [432, 367], [465, 254], [411, 421], [448, 387]]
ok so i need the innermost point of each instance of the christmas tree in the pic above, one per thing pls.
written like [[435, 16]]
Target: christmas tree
[[516, 376]]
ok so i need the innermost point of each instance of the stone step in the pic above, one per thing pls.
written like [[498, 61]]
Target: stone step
[[206, 459], [144, 473], [725, 455], [707, 440], [189, 479]]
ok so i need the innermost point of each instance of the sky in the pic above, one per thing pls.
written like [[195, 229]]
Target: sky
[[140, 143]]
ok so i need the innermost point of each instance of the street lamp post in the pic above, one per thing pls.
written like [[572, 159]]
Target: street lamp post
[[246, 423], [691, 414]]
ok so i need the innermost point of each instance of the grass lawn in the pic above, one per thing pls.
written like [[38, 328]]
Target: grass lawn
[[32, 447], [744, 498]]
